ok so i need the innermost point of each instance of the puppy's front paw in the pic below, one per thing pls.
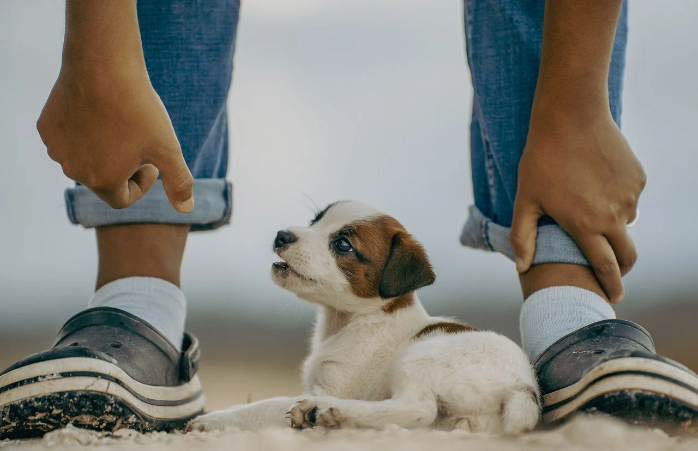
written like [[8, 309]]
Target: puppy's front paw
[[214, 421], [330, 418], [308, 413], [302, 415]]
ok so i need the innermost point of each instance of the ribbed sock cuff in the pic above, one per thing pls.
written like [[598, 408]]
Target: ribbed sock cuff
[[551, 313], [156, 301]]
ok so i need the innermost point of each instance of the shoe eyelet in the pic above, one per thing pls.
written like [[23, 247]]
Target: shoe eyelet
[[116, 345], [599, 351], [73, 344]]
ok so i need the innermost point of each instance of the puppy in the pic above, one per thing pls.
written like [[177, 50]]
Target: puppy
[[377, 358]]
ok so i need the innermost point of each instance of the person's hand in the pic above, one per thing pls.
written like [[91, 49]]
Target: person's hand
[[103, 122], [109, 131], [581, 172]]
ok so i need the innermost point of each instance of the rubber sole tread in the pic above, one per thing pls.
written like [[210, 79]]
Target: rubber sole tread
[[642, 408], [33, 417]]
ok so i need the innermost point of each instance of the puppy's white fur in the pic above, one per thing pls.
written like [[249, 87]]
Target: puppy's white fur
[[368, 368]]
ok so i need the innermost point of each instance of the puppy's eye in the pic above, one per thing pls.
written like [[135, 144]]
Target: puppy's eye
[[342, 246]]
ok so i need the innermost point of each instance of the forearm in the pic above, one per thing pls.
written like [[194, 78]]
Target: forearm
[[578, 40], [102, 34]]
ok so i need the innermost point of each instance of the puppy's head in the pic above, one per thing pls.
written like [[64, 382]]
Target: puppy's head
[[351, 257]]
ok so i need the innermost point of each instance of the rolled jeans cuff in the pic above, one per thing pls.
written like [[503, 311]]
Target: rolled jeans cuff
[[553, 244], [213, 207]]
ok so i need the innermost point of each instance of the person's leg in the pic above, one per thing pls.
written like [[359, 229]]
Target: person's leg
[[503, 47], [567, 326], [140, 370], [193, 85]]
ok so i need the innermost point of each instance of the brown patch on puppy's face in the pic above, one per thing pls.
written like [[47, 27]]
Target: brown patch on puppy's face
[[380, 259]]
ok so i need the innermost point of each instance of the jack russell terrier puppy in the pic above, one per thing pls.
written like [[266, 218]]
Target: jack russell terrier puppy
[[377, 358]]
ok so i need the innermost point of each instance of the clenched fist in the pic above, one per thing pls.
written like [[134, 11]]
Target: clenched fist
[[103, 122]]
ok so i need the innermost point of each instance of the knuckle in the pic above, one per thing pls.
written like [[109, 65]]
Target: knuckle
[[516, 239], [54, 154], [643, 179], [629, 260], [627, 264], [70, 171], [41, 126], [97, 182], [110, 198], [605, 267], [629, 201], [581, 224], [92, 181]]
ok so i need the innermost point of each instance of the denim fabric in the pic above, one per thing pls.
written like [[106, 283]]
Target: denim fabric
[[503, 43], [213, 207], [188, 47]]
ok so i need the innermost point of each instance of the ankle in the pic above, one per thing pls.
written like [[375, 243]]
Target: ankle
[[140, 250], [557, 275]]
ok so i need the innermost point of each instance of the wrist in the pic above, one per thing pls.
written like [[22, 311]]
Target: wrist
[[90, 68], [87, 57], [573, 99], [102, 36], [104, 81]]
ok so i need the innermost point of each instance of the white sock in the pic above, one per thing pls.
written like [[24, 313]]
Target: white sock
[[156, 301], [551, 313]]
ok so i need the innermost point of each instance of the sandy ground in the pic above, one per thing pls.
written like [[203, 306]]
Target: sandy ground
[[232, 383], [580, 434]]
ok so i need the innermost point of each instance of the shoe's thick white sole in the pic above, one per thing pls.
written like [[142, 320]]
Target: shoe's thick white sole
[[630, 374], [80, 374]]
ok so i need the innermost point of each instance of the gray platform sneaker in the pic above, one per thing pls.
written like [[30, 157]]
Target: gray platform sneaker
[[611, 366], [107, 370]]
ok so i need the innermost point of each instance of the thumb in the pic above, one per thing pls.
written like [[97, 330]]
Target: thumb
[[176, 179], [524, 229]]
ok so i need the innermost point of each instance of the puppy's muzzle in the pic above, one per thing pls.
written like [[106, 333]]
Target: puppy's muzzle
[[283, 239]]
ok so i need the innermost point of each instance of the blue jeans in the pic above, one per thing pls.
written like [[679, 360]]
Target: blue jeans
[[189, 47]]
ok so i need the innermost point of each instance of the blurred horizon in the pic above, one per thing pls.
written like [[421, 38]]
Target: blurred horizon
[[327, 98]]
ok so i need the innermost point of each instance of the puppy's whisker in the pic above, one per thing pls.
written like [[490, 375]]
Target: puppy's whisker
[[312, 209], [286, 306], [317, 208], [301, 315]]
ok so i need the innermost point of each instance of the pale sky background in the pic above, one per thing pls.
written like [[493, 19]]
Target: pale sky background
[[367, 100]]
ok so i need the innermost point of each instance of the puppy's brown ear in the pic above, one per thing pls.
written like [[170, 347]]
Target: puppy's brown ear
[[406, 269]]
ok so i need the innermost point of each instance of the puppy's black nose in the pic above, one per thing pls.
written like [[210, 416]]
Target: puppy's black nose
[[284, 238]]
